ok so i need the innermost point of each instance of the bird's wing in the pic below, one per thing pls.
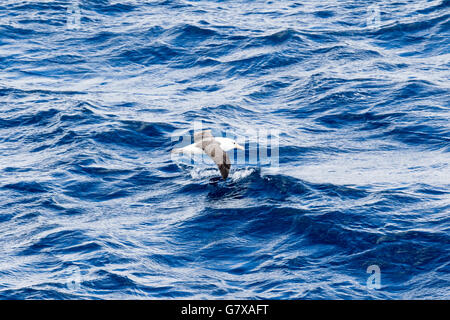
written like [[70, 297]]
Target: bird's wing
[[202, 135], [212, 148]]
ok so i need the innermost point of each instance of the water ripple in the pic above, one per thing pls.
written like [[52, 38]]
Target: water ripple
[[93, 207]]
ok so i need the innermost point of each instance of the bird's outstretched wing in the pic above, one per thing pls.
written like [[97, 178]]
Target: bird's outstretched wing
[[206, 141], [220, 157], [202, 135]]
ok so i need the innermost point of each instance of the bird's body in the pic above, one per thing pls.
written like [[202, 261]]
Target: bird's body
[[205, 142], [226, 144]]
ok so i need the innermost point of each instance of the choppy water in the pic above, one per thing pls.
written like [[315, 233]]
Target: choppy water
[[92, 205]]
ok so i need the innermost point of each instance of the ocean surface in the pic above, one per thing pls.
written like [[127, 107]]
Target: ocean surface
[[95, 94]]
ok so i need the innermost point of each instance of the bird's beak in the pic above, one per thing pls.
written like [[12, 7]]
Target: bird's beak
[[238, 146]]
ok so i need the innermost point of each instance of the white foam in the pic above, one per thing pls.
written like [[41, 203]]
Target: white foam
[[202, 173], [241, 173]]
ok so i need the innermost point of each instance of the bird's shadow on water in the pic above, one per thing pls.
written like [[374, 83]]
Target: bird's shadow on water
[[224, 192], [231, 188], [214, 181]]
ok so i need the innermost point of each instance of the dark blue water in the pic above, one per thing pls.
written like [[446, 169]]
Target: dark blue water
[[92, 94]]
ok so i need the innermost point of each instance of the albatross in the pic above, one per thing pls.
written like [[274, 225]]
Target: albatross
[[215, 147]]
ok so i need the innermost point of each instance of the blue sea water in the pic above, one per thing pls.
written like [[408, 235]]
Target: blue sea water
[[93, 206]]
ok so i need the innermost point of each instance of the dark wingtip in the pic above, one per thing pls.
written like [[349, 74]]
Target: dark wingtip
[[224, 171]]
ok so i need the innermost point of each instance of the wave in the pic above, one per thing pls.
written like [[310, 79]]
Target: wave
[[92, 205]]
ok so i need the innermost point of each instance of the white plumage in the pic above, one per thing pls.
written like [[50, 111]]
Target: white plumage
[[214, 147]]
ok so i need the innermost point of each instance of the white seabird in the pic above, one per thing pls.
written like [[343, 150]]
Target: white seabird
[[215, 147]]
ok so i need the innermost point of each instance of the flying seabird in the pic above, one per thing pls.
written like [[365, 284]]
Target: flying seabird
[[215, 147]]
